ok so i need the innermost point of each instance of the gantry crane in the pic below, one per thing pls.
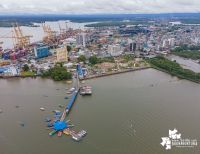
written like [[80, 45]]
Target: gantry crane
[[20, 40], [49, 34]]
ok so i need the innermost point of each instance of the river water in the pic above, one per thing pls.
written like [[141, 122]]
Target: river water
[[127, 113], [186, 63], [37, 32]]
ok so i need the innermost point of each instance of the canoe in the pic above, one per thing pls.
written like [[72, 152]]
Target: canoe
[[52, 133]]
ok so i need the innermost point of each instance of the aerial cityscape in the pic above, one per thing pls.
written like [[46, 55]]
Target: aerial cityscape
[[99, 76]]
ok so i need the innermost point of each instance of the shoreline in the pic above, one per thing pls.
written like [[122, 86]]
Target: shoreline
[[110, 74], [115, 73], [87, 78]]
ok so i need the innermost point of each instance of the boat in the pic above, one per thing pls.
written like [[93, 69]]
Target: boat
[[57, 112], [86, 90], [66, 131], [42, 109], [47, 120], [76, 137], [52, 133], [72, 89], [82, 133], [61, 106], [59, 133], [22, 124], [70, 126], [1, 111], [66, 97], [69, 82], [50, 124]]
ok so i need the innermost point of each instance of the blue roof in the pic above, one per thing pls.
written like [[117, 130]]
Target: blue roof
[[60, 125], [2, 69]]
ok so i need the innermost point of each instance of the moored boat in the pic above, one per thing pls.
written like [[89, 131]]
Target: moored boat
[[42, 109], [59, 133], [66, 131], [52, 133]]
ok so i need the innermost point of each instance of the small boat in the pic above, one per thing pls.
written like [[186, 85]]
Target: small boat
[[50, 124], [61, 106], [1, 111], [42, 109], [22, 124], [76, 137], [72, 89], [57, 112], [70, 126], [59, 133], [17, 106], [69, 82], [82, 133], [52, 133], [66, 97], [66, 131], [47, 119]]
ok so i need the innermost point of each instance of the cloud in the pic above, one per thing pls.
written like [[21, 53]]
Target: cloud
[[99, 6]]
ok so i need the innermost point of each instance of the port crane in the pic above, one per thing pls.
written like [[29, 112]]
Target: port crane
[[19, 39], [50, 35]]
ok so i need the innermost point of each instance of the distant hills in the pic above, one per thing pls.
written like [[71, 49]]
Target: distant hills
[[6, 20]]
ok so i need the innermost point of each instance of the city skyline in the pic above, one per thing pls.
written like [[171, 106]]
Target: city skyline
[[99, 6]]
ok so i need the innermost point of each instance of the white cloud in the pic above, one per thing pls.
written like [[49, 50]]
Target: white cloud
[[99, 6]]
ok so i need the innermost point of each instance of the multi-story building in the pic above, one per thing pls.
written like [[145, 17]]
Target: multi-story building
[[82, 39], [62, 54], [41, 51]]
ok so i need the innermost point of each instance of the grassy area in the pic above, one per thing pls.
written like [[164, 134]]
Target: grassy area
[[173, 68], [188, 54], [192, 52], [28, 73]]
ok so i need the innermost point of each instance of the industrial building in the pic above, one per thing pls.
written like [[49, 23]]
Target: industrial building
[[41, 51]]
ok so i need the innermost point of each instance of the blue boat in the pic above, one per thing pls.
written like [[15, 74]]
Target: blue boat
[[50, 125], [66, 97], [47, 120]]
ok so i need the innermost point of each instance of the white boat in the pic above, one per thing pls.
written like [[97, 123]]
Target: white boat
[[76, 137], [82, 133], [42, 109], [71, 90], [86, 90]]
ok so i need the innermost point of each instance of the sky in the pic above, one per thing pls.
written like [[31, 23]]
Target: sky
[[99, 6]]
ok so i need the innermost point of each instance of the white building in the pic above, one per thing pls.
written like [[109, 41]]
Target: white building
[[82, 39], [115, 50]]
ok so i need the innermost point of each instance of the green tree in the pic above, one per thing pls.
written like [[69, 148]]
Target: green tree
[[93, 60], [81, 58], [25, 68], [57, 73], [69, 48]]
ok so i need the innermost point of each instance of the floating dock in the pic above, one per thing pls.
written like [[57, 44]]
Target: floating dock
[[72, 100], [70, 104]]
